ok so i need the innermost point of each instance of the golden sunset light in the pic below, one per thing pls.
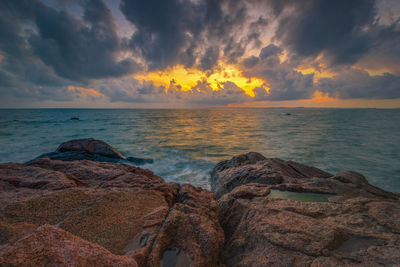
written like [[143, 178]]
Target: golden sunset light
[[85, 92], [318, 74], [188, 78]]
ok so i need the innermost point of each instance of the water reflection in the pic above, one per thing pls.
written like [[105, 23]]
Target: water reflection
[[187, 143]]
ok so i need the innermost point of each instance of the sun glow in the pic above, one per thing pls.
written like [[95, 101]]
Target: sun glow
[[187, 78], [85, 92], [376, 71], [320, 97], [318, 74]]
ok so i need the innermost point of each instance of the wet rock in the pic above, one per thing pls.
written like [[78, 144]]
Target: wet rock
[[90, 149], [122, 209], [356, 225], [91, 146]]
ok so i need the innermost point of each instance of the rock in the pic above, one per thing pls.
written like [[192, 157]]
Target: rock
[[10, 233], [192, 220], [91, 213], [91, 146], [90, 149], [52, 246], [114, 209], [255, 168], [359, 226]]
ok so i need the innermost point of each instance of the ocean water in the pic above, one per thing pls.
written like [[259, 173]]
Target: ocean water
[[186, 144]]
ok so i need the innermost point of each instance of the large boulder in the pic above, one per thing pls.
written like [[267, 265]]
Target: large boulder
[[91, 149], [255, 168], [103, 208], [268, 219], [91, 146]]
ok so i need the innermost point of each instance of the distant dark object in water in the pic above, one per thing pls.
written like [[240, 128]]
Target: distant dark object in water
[[91, 149], [288, 114], [140, 161], [74, 119]]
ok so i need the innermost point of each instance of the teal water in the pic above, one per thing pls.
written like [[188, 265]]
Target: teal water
[[186, 144]]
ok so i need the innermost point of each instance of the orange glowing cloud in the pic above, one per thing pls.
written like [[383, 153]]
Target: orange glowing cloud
[[85, 92], [320, 97], [318, 74], [375, 71], [187, 78]]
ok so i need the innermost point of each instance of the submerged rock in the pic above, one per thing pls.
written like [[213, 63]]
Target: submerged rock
[[120, 214], [355, 224], [90, 149]]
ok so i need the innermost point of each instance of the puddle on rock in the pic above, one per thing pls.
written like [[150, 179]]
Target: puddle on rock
[[175, 258], [304, 197]]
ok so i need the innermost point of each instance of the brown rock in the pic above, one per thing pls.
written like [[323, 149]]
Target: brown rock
[[20, 182], [125, 209], [9, 233], [359, 226], [52, 246], [191, 226], [255, 168]]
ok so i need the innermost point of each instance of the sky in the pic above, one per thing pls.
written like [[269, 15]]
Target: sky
[[198, 53]]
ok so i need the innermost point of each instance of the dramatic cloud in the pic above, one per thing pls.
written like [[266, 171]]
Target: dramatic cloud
[[190, 32], [198, 52], [284, 82], [337, 28], [359, 84]]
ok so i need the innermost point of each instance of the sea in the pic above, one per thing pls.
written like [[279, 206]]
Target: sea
[[187, 143]]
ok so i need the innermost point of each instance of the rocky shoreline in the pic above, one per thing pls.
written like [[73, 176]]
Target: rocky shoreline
[[84, 206]]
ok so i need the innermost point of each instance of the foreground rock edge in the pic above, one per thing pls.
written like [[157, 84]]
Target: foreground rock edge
[[127, 211], [358, 226]]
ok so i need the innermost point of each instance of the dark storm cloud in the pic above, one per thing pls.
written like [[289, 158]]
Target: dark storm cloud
[[20, 69], [210, 58], [80, 49], [284, 82], [385, 52], [337, 28], [37, 37], [359, 84], [172, 32]]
